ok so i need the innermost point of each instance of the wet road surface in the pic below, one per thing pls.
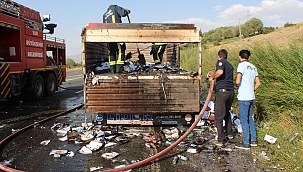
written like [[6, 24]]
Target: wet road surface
[[28, 154]]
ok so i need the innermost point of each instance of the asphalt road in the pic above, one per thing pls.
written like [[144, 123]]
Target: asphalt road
[[27, 154], [17, 114]]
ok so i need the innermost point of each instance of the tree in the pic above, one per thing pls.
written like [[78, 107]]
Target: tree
[[228, 32], [70, 63], [288, 24], [254, 26], [235, 31], [245, 30], [267, 30]]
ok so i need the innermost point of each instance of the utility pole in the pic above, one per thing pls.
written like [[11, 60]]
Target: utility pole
[[247, 15], [239, 28]]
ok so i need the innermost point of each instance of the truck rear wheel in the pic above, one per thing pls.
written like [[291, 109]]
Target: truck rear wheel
[[50, 85], [38, 87]]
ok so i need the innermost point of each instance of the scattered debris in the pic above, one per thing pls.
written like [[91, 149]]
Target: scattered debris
[[86, 136], [6, 162], [172, 133], [270, 139], [109, 144], [2, 125], [63, 139], [85, 150], [110, 155], [56, 155], [95, 145], [45, 142], [14, 130], [227, 149], [95, 80], [263, 155], [293, 137], [183, 158], [102, 67], [278, 167], [58, 151], [93, 137], [70, 154], [95, 168], [119, 166], [175, 160], [191, 150]]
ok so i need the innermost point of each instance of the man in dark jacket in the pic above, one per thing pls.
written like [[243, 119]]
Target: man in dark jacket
[[224, 96], [116, 50]]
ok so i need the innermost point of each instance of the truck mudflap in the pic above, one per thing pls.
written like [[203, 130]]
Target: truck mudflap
[[144, 119], [5, 86]]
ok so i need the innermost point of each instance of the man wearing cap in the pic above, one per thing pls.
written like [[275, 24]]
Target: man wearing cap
[[224, 96], [248, 82]]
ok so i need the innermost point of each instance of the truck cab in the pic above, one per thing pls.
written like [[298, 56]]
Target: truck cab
[[32, 63]]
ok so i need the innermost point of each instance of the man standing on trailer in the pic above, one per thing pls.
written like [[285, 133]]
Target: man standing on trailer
[[116, 50], [157, 50]]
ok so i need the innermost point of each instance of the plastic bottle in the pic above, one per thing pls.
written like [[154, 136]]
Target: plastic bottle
[[183, 158]]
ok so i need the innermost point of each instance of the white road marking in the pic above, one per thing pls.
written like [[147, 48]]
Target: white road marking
[[78, 92], [73, 78]]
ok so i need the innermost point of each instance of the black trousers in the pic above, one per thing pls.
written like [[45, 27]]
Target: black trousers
[[223, 102], [116, 53], [158, 51]]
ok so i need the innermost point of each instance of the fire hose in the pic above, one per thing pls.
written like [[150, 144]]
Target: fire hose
[[141, 163], [5, 168]]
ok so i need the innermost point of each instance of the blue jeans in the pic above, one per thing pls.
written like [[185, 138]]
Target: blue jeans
[[247, 122]]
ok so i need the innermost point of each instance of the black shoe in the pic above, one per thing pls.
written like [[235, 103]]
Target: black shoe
[[242, 146], [253, 143]]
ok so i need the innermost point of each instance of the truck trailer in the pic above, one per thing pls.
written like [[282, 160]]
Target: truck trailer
[[32, 63], [145, 94]]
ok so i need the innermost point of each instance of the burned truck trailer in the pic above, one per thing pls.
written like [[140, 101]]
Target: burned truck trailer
[[142, 94]]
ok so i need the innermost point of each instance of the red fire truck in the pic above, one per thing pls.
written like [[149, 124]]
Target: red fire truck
[[32, 63]]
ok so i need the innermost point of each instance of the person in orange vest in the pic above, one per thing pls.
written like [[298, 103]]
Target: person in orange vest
[[157, 50], [116, 52]]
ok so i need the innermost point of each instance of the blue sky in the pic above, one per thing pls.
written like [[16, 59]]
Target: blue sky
[[72, 16]]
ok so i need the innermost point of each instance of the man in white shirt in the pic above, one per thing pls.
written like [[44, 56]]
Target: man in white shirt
[[248, 82]]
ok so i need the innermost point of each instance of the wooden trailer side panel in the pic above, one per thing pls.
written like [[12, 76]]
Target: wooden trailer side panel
[[145, 95]]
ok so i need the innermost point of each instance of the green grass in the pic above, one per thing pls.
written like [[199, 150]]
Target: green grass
[[227, 41], [188, 60], [278, 110]]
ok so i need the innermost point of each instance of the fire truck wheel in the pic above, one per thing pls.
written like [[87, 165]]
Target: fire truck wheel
[[50, 85], [38, 87]]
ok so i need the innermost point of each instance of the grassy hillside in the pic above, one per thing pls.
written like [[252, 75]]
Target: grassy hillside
[[279, 109]]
